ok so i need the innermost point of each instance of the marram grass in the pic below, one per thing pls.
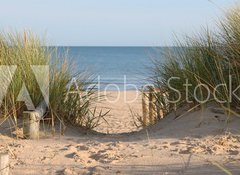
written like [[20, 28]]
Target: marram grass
[[211, 58], [25, 50]]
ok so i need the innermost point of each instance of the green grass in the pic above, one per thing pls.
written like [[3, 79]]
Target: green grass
[[25, 50], [209, 57]]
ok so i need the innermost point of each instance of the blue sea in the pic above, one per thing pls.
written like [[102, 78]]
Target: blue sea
[[114, 68]]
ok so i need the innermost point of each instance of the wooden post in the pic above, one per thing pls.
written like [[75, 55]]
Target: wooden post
[[4, 163], [155, 108], [31, 121], [144, 109], [31, 124], [157, 96], [150, 106], [158, 112]]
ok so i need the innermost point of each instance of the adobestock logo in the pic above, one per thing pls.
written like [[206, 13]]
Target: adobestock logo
[[40, 74], [214, 93]]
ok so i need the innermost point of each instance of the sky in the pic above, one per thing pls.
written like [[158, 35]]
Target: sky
[[110, 22]]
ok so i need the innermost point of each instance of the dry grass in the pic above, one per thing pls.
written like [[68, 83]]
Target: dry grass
[[209, 58], [25, 50]]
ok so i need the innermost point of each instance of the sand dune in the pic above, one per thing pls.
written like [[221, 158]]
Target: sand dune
[[169, 147]]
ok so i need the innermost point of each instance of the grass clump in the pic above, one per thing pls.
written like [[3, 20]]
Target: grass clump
[[25, 51], [211, 58]]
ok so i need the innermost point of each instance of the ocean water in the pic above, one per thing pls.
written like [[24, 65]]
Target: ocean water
[[114, 68]]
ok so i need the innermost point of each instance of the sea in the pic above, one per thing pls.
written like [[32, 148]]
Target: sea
[[114, 68]]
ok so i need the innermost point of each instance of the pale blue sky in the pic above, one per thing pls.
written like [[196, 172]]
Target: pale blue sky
[[110, 22]]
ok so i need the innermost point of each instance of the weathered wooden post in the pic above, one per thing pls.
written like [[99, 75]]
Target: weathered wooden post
[[144, 109], [30, 125], [31, 121], [158, 112], [157, 96], [150, 106], [4, 163]]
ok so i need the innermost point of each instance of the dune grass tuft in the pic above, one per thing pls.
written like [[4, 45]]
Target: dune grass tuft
[[25, 50], [211, 58]]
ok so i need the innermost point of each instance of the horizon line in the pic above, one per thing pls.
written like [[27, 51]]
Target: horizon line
[[104, 46]]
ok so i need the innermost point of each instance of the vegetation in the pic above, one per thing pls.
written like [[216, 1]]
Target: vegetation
[[25, 51], [211, 58]]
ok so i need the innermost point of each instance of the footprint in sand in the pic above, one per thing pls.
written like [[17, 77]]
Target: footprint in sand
[[174, 150], [186, 151], [63, 149], [175, 143], [75, 156], [106, 156], [82, 148], [233, 152], [165, 147], [154, 147], [16, 145]]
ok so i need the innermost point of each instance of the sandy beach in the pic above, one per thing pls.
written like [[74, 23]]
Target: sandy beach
[[170, 147], [67, 74], [121, 105]]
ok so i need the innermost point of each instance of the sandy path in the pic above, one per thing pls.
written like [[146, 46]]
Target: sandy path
[[120, 104]]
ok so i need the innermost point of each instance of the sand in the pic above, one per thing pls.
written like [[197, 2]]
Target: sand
[[169, 147], [122, 105]]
